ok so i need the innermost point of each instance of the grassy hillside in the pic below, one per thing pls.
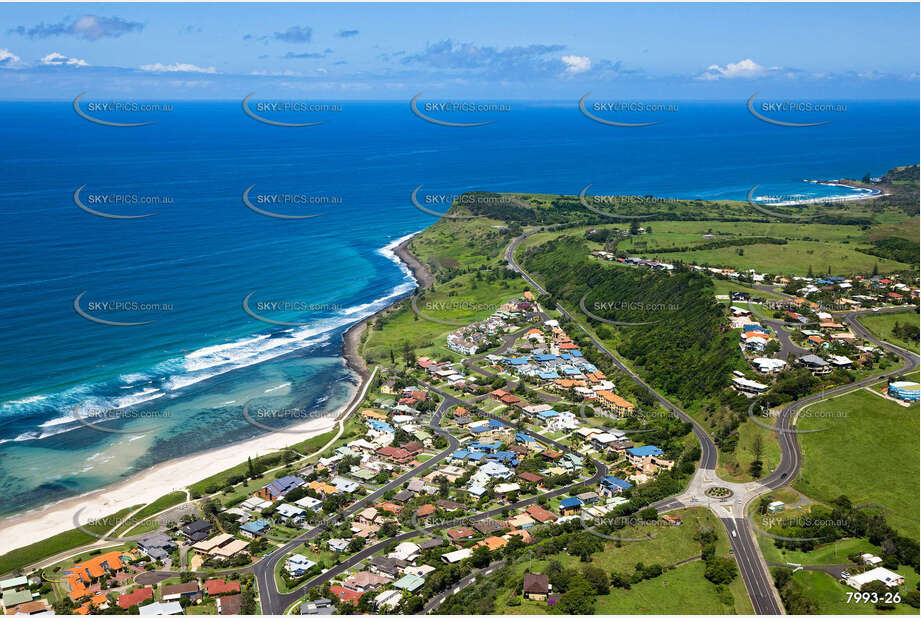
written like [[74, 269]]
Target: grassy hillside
[[870, 455]]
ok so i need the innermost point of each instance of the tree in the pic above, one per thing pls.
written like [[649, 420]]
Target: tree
[[579, 599], [720, 570], [480, 557], [597, 578]]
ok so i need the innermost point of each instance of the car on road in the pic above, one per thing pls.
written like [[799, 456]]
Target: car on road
[[784, 475], [733, 534]]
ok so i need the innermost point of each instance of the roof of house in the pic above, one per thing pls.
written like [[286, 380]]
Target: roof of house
[[536, 583], [613, 481], [461, 532], [219, 586], [280, 487], [133, 598], [645, 451], [344, 594], [567, 503], [186, 588], [230, 605], [540, 513], [409, 582]]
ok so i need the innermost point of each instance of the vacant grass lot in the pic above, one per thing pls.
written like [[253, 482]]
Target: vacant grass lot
[[735, 466], [682, 590], [881, 325], [793, 258], [870, 455]]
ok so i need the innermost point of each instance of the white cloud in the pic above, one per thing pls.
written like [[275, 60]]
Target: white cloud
[[177, 67], [743, 68], [577, 64], [56, 59], [8, 59]]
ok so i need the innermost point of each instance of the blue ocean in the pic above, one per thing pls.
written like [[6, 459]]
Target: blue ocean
[[195, 355]]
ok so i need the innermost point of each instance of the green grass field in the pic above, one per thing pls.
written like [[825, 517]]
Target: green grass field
[[832, 553], [881, 325], [735, 466], [870, 455], [793, 258], [160, 504], [685, 587], [830, 596]]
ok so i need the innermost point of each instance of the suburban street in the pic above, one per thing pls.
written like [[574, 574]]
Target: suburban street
[[752, 565], [275, 602], [731, 510]]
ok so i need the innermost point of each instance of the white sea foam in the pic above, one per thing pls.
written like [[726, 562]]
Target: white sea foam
[[204, 363]]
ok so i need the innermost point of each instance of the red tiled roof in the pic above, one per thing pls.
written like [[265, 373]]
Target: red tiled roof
[[133, 598], [219, 586], [344, 594]]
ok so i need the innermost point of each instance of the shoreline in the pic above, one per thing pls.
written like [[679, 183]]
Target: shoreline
[[866, 193], [40, 523]]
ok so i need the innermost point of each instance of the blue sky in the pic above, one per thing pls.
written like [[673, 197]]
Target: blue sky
[[486, 51]]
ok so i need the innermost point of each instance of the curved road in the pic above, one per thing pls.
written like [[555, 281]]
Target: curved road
[[752, 566], [275, 602]]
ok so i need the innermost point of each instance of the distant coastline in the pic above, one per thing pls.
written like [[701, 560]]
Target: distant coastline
[[862, 193]]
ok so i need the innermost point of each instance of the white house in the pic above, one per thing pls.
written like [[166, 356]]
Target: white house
[[405, 551], [769, 365], [296, 565], [309, 503], [879, 574], [456, 556]]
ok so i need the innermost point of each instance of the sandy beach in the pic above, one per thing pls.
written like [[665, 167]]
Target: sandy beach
[[39, 524]]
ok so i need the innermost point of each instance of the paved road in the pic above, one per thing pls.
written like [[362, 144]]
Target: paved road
[[751, 564], [273, 602], [752, 567], [708, 453], [439, 598], [788, 349], [791, 458]]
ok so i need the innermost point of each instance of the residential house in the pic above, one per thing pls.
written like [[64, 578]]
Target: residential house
[[157, 546], [279, 488], [196, 531], [536, 586], [175, 592]]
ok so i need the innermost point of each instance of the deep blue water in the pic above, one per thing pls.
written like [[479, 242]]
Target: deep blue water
[[203, 252]]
